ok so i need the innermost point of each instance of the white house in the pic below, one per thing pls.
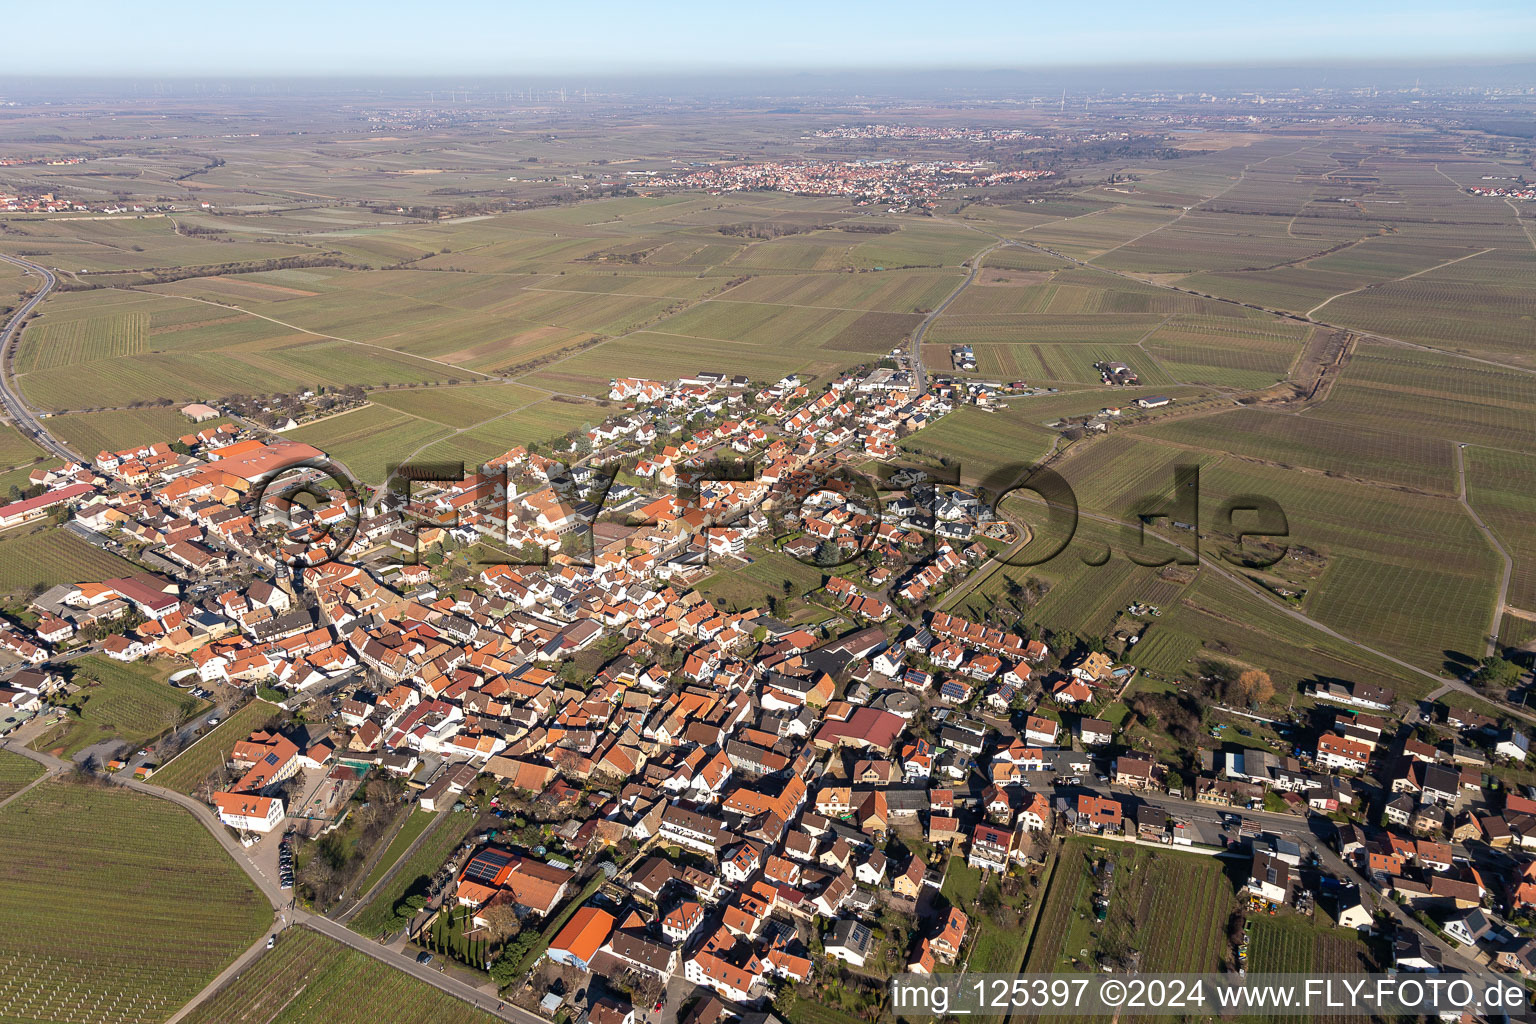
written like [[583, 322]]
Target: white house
[[249, 813], [1270, 877], [1513, 745]]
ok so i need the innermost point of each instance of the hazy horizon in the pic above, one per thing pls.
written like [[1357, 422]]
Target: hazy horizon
[[284, 38]]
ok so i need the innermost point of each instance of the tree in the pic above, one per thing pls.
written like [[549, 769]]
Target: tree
[[507, 966], [500, 919], [1251, 687], [1496, 673], [86, 769]]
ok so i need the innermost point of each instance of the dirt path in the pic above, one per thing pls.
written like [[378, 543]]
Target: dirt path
[[1395, 280], [1492, 633]]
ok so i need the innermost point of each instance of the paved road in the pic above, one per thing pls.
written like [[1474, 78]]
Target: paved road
[[10, 398], [49, 772], [919, 378]]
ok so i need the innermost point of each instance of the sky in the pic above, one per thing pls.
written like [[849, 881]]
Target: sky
[[599, 37]]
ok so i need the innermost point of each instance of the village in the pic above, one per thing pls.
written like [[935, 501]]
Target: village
[[885, 181], [674, 792], [50, 202]]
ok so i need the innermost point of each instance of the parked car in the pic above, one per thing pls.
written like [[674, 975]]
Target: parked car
[[424, 958]]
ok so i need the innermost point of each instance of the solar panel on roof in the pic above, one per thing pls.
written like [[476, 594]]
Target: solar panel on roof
[[485, 866]]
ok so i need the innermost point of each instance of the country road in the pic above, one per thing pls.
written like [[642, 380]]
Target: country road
[[919, 378], [26, 420]]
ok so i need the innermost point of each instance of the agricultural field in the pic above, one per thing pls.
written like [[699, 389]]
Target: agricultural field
[[156, 907], [1430, 394], [92, 432], [1171, 909], [1239, 627], [244, 356], [969, 438], [1418, 612], [16, 449], [1378, 586], [1500, 487], [1226, 353], [15, 283], [890, 292], [749, 586], [1480, 306], [459, 407], [588, 371], [540, 422], [16, 772], [84, 340], [132, 243], [1082, 597], [35, 558], [118, 703], [1166, 651], [1043, 328], [387, 912], [307, 975], [188, 769], [368, 441], [807, 328], [1290, 944], [1286, 441]]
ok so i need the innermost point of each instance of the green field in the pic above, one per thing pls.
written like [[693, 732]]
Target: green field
[[370, 440], [1290, 944], [16, 449], [415, 824], [155, 907], [16, 772], [1428, 394], [386, 912], [92, 432], [537, 423], [1286, 441], [985, 443], [193, 765], [130, 703], [1165, 650], [748, 586], [461, 406], [1239, 626], [994, 949], [809, 1011], [307, 976], [39, 557], [1500, 488], [1171, 907]]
